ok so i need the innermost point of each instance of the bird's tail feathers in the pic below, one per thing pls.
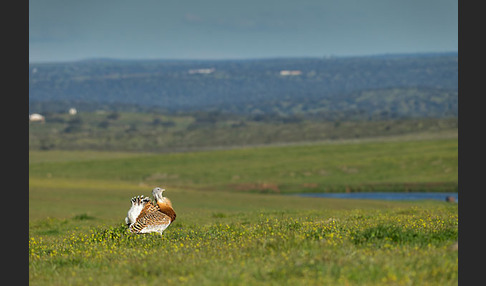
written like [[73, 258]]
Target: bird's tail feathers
[[140, 200], [138, 203]]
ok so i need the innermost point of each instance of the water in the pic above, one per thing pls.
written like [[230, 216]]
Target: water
[[385, 196]]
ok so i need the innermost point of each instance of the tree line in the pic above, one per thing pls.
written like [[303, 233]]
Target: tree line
[[406, 86]]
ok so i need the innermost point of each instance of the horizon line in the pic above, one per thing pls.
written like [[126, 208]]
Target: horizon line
[[94, 59]]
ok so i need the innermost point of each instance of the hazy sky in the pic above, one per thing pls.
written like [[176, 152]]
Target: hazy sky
[[65, 30]]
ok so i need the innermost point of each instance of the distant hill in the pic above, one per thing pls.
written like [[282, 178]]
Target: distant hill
[[383, 87]]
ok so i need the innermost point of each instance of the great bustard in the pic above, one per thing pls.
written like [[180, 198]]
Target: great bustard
[[145, 216]]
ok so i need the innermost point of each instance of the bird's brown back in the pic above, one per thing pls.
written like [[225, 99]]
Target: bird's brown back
[[151, 215]]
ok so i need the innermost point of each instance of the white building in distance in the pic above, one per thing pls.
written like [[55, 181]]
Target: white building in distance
[[36, 117], [290, 72], [72, 111], [201, 71]]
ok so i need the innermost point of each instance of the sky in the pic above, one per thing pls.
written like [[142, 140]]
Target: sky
[[70, 30]]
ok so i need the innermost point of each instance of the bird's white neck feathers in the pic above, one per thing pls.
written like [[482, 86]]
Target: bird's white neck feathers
[[159, 198], [157, 193], [164, 203]]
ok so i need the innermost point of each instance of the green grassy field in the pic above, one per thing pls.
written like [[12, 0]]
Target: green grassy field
[[235, 223], [142, 132], [429, 165]]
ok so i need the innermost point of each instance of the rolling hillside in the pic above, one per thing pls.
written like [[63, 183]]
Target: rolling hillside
[[361, 88]]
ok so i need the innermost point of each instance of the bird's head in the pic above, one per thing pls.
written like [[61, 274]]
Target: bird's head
[[157, 193]]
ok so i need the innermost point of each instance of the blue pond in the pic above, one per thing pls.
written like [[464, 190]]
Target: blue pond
[[384, 196]]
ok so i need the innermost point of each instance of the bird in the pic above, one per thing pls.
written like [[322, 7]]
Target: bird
[[145, 216]]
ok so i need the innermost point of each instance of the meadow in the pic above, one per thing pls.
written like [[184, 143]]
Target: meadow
[[162, 132], [401, 165], [237, 220]]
